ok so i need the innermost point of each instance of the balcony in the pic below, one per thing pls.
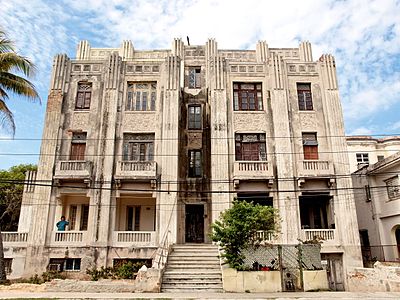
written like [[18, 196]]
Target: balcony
[[134, 238], [252, 170], [69, 238], [136, 170], [73, 169], [325, 235], [314, 168], [14, 238]]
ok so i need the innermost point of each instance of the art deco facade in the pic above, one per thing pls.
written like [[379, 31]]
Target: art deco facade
[[147, 148]]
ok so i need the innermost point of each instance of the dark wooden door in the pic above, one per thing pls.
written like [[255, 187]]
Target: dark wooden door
[[194, 223]]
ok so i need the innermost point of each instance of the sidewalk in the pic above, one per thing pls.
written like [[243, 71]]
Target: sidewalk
[[302, 295]]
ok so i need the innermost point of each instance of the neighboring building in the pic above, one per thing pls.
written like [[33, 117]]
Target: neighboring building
[[377, 196], [367, 150], [142, 149]]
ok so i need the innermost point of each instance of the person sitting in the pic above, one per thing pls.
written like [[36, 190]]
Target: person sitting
[[61, 224]]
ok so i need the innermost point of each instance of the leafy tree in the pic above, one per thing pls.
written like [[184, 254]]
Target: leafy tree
[[11, 190], [11, 62], [236, 230]]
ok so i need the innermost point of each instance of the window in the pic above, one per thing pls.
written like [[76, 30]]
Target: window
[[72, 216], [381, 157], [194, 119], [138, 147], [133, 215], [141, 96], [84, 217], [393, 188], [250, 147], [72, 264], [247, 96], [84, 95], [7, 265], [304, 96], [362, 158], [310, 146], [195, 163], [78, 146], [195, 77]]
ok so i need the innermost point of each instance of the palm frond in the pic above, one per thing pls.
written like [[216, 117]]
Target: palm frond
[[11, 61], [6, 118], [18, 85], [6, 45]]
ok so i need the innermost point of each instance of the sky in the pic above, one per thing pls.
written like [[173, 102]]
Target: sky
[[364, 37]]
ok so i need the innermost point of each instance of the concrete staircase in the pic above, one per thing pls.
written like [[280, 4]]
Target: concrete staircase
[[192, 268]]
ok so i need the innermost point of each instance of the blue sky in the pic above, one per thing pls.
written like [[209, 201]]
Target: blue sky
[[364, 37]]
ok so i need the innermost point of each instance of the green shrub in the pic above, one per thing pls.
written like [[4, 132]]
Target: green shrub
[[237, 228], [123, 270]]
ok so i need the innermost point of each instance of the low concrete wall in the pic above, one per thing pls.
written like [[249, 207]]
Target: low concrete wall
[[252, 281], [381, 278], [315, 280]]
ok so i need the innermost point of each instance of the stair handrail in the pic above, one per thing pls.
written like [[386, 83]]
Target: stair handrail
[[161, 254]]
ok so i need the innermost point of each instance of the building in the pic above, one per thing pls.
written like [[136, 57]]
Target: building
[[377, 194], [366, 150], [143, 149]]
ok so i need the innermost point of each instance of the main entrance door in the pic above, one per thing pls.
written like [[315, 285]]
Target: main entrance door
[[194, 223]]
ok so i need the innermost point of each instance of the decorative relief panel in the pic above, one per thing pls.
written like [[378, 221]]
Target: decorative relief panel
[[306, 69], [142, 69], [139, 122], [86, 68], [194, 140], [249, 121], [80, 119], [308, 121], [247, 68]]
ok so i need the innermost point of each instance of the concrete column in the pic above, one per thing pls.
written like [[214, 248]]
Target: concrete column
[[287, 201], [169, 149], [36, 260], [346, 220]]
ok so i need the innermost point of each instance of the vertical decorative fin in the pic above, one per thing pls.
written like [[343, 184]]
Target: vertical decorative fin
[[83, 52], [126, 51], [328, 68], [178, 48], [112, 71], [305, 51], [277, 63], [58, 76], [173, 71], [262, 51]]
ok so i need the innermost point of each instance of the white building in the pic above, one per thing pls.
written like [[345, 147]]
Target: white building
[[142, 149]]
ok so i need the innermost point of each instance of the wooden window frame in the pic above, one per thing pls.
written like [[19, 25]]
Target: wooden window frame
[[141, 96], [310, 146], [246, 98], [83, 96], [78, 146], [194, 78], [362, 158], [194, 117], [138, 147], [250, 147], [304, 96], [195, 169]]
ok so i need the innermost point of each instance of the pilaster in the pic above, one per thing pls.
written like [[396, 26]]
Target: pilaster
[[83, 51], [305, 51], [126, 51], [262, 51]]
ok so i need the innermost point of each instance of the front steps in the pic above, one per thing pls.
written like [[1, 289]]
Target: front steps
[[192, 268]]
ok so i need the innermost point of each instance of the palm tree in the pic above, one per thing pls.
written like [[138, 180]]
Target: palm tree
[[10, 63]]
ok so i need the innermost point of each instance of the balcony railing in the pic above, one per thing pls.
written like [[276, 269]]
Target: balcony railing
[[136, 169], [315, 168], [252, 170], [265, 236], [14, 237], [320, 234], [142, 238], [73, 169], [69, 237]]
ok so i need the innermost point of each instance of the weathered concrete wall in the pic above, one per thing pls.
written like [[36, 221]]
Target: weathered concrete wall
[[315, 280], [381, 278], [253, 281]]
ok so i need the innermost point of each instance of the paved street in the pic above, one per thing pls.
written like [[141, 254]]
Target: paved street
[[313, 295]]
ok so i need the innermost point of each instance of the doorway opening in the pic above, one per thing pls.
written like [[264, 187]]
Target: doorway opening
[[194, 223]]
